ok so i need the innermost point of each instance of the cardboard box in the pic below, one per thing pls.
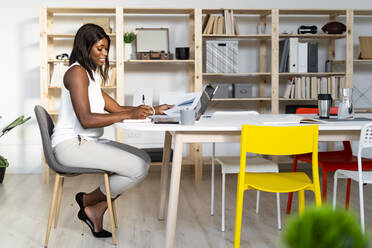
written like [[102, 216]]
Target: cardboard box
[[243, 90], [223, 90], [365, 47]]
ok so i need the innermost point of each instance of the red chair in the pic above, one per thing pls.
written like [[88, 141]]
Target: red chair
[[330, 161]]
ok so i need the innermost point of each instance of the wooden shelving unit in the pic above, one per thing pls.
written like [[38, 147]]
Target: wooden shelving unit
[[267, 45]]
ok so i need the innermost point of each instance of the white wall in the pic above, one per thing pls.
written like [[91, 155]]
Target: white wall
[[19, 87]]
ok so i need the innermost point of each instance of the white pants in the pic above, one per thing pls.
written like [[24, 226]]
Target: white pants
[[128, 164]]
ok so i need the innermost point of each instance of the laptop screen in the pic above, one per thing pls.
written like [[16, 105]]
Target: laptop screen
[[205, 98]]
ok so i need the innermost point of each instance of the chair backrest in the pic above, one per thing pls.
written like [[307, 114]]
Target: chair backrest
[[333, 111], [365, 140], [46, 127], [280, 140]]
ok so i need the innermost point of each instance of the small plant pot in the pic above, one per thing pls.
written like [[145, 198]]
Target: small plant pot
[[2, 174], [128, 51]]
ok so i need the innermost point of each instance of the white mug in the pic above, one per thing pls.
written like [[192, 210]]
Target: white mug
[[188, 117]]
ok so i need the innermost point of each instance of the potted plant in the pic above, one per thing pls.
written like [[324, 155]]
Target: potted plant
[[3, 161], [324, 227], [129, 37]]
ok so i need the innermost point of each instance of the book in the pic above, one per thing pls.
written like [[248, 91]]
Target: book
[[215, 25], [273, 119], [205, 21], [220, 25], [237, 32], [209, 27], [287, 91]]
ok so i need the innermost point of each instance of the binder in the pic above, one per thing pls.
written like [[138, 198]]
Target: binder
[[312, 57], [283, 55], [302, 56], [293, 55]]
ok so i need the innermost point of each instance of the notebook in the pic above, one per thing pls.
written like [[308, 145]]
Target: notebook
[[200, 104]]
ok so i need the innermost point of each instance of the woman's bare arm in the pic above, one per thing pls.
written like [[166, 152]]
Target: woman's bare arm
[[77, 82]]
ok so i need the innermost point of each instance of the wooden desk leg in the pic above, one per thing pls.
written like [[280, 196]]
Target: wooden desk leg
[[198, 161], [174, 192], [164, 175]]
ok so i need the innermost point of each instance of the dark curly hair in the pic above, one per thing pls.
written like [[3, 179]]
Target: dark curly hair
[[85, 38]]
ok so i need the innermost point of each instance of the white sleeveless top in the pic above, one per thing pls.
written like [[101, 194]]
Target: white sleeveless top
[[68, 125]]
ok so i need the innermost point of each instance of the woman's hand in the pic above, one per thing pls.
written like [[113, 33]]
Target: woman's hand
[[141, 112], [161, 108]]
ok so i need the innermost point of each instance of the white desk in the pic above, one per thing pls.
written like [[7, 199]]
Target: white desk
[[216, 129]]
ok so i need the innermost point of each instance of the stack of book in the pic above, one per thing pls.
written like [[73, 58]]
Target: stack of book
[[221, 24], [295, 56], [310, 87]]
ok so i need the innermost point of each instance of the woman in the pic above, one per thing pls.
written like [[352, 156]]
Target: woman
[[75, 139]]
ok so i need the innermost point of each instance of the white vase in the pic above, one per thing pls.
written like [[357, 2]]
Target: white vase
[[127, 51]]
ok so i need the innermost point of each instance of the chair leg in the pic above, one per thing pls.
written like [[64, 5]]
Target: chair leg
[[258, 202], [238, 215], [335, 189], [347, 201], [223, 203], [278, 210], [212, 178], [52, 208], [290, 195], [58, 208], [109, 205], [361, 206], [301, 201], [324, 186], [115, 215]]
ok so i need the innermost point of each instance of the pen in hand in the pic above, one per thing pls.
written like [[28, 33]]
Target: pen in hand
[[143, 99]]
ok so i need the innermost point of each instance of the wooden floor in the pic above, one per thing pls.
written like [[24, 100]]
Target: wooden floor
[[24, 205]]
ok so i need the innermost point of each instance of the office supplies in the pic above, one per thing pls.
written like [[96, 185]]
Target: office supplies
[[143, 99]]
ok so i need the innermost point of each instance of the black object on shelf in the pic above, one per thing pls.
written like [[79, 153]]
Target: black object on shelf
[[156, 154], [291, 109], [307, 29], [334, 28], [182, 52]]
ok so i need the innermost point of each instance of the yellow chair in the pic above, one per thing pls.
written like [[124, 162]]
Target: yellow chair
[[277, 140]]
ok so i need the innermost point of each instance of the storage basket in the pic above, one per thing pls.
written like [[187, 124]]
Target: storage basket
[[221, 56]]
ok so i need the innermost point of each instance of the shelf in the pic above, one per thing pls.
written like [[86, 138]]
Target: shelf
[[157, 11], [313, 36], [159, 61], [82, 10], [102, 87], [241, 36], [240, 11], [71, 36], [312, 74], [297, 99], [66, 61], [237, 74], [314, 12], [241, 99]]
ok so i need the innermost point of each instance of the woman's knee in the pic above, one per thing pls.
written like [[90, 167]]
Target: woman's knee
[[140, 169]]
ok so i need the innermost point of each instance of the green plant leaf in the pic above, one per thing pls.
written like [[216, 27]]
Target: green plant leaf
[[19, 121], [129, 37], [3, 162], [323, 228]]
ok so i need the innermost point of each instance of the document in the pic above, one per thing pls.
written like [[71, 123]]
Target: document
[[185, 101], [272, 119], [146, 120]]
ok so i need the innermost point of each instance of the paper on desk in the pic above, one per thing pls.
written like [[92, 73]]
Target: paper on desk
[[217, 113], [180, 100], [147, 120]]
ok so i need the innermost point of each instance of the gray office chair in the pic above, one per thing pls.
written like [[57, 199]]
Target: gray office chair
[[46, 129]]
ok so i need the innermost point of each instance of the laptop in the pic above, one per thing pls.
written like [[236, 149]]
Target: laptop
[[200, 104]]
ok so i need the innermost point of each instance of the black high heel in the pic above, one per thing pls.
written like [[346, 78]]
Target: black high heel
[[79, 200], [102, 234]]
